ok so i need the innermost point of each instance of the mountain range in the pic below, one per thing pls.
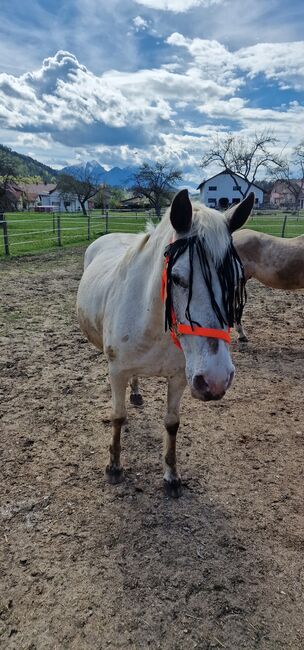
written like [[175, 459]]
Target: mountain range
[[25, 166], [115, 177]]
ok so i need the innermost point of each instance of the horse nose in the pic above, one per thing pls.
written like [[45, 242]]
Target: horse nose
[[210, 389], [205, 390]]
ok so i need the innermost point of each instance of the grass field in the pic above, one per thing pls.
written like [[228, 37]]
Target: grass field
[[33, 232]]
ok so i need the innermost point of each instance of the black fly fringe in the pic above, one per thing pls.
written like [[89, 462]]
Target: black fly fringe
[[230, 275]]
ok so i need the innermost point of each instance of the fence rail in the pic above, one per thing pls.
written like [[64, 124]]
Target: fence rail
[[22, 233]]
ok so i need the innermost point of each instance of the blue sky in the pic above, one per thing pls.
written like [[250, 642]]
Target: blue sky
[[123, 81]]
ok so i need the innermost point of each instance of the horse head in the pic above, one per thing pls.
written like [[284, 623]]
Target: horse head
[[205, 291]]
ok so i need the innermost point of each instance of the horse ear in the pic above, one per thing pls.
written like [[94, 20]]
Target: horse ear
[[181, 212], [238, 215]]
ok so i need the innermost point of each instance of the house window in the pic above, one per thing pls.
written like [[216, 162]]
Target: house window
[[211, 200], [236, 188], [212, 188]]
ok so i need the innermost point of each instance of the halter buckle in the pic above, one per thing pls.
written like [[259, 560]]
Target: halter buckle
[[175, 329]]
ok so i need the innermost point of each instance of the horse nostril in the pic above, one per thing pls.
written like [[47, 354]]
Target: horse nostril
[[200, 384]]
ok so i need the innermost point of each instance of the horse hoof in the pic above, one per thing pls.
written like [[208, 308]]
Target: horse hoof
[[173, 489], [114, 474], [243, 339], [136, 399]]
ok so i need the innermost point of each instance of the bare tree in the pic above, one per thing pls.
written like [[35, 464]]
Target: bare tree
[[84, 189], [291, 175], [156, 183], [243, 158]]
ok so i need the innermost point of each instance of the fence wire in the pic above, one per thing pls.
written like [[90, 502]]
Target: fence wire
[[26, 233]]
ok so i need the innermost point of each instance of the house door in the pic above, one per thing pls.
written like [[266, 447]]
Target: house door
[[223, 202]]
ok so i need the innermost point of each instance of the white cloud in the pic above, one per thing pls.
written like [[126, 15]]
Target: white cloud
[[64, 99], [140, 23], [177, 6], [168, 111], [280, 62]]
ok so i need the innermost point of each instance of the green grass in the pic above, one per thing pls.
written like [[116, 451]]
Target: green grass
[[273, 224], [34, 232]]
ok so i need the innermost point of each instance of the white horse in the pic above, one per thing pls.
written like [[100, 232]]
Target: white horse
[[274, 261], [120, 311]]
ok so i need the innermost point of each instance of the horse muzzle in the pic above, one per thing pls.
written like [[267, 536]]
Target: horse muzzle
[[206, 389]]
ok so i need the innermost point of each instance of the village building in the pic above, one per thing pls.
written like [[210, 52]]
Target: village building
[[58, 203], [288, 194], [44, 197], [11, 197], [31, 194], [221, 191]]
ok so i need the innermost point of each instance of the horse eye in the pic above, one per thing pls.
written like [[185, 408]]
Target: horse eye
[[179, 281]]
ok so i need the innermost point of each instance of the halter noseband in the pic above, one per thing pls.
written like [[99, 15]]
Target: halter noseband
[[234, 298]]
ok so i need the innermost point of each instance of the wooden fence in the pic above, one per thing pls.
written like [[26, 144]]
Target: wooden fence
[[22, 233]]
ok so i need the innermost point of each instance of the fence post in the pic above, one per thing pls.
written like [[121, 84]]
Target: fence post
[[3, 225], [58, 230], [89, 227], [284, 225], [54, 224], [107, 221]]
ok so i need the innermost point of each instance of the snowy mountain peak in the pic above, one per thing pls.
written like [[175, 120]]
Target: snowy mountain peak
[[115, 177]]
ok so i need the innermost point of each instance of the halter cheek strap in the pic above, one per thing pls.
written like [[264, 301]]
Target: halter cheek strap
[[180, 328]]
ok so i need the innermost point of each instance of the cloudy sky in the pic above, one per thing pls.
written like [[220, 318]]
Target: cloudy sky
[[122, 81]]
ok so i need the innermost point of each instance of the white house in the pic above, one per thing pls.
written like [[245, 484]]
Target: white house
[[221, 191], [54, 201]]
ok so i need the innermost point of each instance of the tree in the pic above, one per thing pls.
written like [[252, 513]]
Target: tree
[[117, 195], [244, 158], [291, 175], [84, 189], [7, 177], [103, 197], [156, 183]]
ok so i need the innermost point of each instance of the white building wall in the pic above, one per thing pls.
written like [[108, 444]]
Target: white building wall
[[223, 186], [55, 201]]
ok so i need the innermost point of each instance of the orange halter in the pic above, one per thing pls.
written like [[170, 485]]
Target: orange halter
[[179, 328]]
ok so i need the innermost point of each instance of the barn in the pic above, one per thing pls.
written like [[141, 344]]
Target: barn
[[223, 190]]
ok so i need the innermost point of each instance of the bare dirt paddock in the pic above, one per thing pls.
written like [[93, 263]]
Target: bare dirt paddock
[[90, 566]]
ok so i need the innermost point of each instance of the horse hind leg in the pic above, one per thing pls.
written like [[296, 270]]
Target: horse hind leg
[[172, 480], [114, 471], [135, 396], [243, 338]]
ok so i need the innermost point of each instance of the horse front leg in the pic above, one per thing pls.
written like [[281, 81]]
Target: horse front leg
[[172, 481], [135, 396], [243, 338], [118, 382]]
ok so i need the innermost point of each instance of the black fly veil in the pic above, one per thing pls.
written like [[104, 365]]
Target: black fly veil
[[230, 274]]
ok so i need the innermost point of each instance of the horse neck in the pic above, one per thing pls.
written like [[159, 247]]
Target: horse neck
[[148, 266]]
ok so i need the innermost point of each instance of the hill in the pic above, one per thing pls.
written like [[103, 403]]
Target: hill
[[26, 166]]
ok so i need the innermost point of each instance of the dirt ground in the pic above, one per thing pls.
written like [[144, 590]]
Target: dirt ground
[[86, 565]]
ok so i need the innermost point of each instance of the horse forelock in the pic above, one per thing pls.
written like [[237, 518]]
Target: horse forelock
[[209, 225]]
